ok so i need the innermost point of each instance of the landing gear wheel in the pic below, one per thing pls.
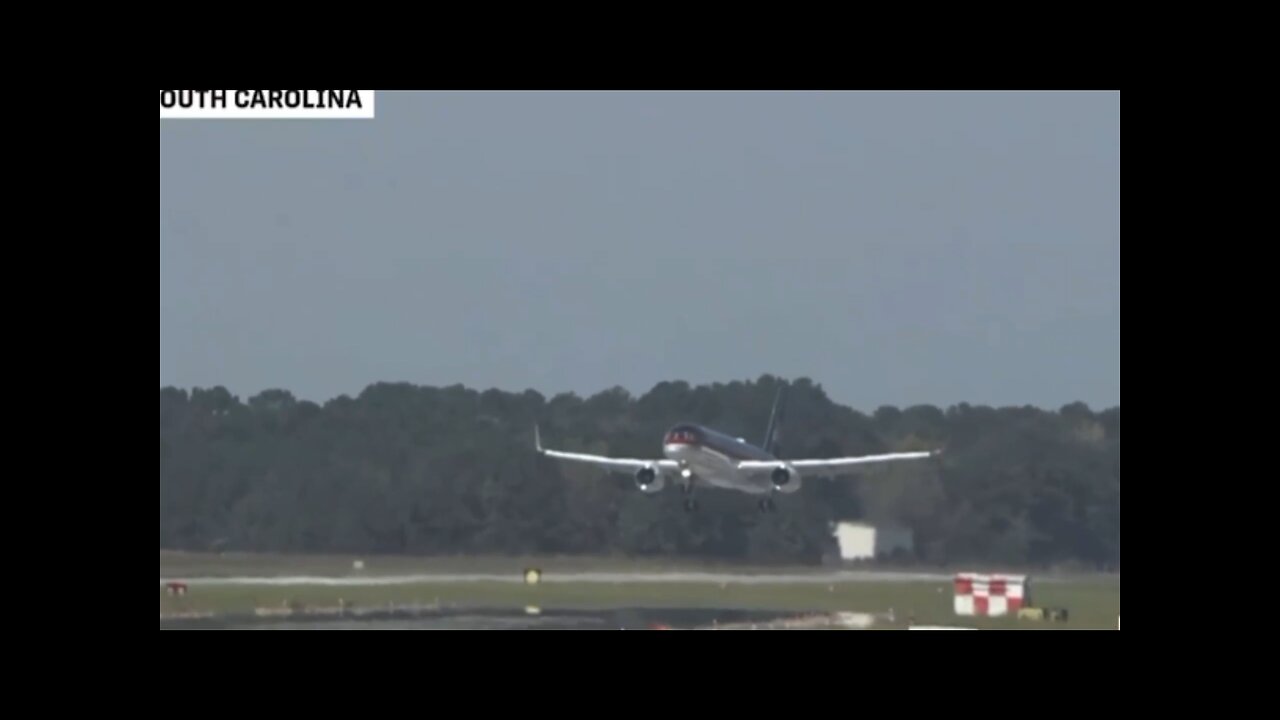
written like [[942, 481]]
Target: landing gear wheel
[[767, 505], [690, 505]]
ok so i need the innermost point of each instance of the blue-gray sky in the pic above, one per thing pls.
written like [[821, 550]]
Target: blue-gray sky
[[898, 248]]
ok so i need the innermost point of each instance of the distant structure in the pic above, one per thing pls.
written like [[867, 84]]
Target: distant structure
[[990, 595], [861, 541]]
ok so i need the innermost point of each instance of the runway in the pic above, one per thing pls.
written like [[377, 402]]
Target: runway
[[706, 578], [479, 619]]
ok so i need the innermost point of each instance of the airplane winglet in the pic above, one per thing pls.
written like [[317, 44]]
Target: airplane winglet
[[537, 438]]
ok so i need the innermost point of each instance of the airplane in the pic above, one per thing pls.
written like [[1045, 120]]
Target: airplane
[[701, 455]]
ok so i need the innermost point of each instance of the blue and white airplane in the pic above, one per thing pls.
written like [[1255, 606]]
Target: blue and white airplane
[[699, 455]]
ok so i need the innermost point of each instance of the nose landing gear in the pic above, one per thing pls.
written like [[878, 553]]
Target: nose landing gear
[[686, 487]]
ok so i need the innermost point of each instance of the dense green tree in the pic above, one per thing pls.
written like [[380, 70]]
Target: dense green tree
[[407, 469]]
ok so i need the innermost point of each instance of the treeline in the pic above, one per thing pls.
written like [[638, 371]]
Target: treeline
[[420, 470]]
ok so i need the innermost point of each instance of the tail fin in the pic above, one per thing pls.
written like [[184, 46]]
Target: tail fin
[[772, 435]]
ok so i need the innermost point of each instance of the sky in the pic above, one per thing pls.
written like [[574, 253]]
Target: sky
[[898, 248]]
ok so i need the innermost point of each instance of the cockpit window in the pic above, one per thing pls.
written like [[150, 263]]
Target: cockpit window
[[681, 437]]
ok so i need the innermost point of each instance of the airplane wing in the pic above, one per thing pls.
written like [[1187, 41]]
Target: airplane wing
[[834, 463], [617, 464]]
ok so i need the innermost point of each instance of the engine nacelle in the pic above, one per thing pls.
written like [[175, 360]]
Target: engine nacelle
[[785, 480], [649, 480]]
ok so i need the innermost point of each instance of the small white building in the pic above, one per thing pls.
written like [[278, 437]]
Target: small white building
[[861, 541]]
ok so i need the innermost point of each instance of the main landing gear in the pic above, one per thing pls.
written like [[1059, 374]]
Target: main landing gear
[[767, 505]]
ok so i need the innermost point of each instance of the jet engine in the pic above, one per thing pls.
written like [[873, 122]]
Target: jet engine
[[649, 481], [785, 480]]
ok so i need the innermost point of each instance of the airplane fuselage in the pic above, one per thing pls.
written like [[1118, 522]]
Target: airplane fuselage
[[710, 457]]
